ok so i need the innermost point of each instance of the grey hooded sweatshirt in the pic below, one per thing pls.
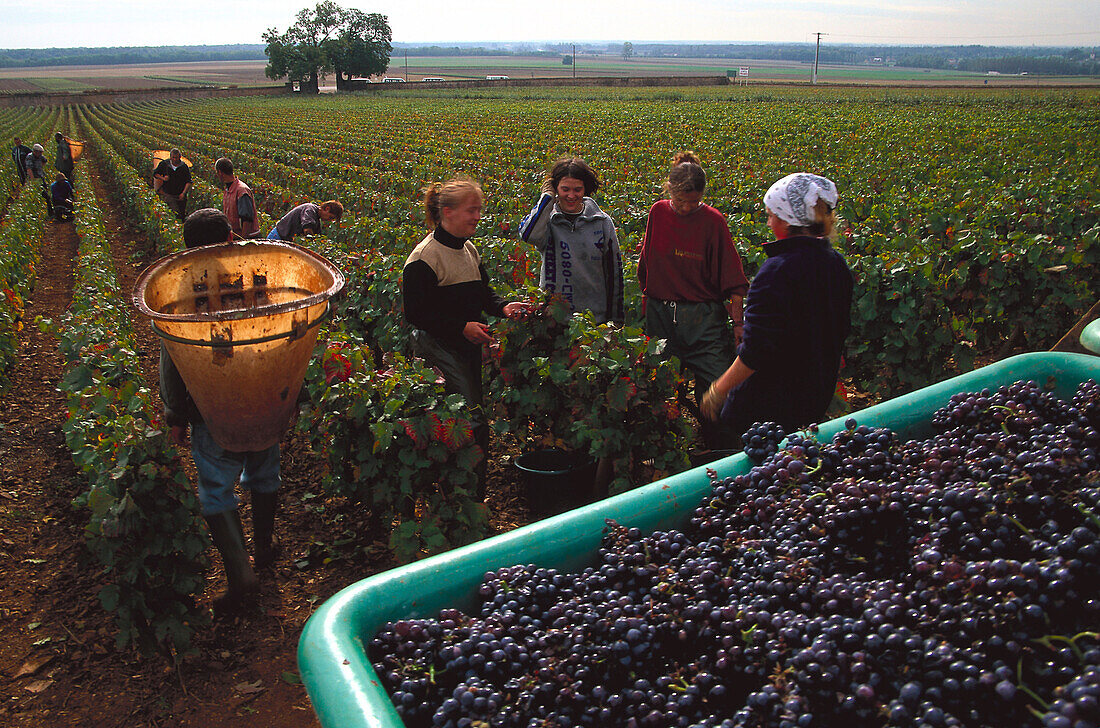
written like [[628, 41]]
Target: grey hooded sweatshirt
[[580, 256]]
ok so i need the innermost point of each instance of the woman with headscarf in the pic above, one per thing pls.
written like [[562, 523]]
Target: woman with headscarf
[[797, 316]]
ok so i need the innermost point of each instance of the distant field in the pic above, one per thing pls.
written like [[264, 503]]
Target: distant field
[[457, 68], [414, 68], [137, 76]]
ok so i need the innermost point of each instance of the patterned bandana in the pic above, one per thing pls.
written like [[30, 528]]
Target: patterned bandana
[[792, 198]]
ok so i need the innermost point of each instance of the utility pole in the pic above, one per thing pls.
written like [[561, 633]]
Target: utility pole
[[406, 65], [816, 54], [574, 60]]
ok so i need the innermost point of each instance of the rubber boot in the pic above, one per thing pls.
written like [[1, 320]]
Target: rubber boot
[[265, 547], [228, 536]]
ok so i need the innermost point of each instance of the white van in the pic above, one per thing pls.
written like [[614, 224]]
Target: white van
[[432, 78], [496, 78], [393, 80]]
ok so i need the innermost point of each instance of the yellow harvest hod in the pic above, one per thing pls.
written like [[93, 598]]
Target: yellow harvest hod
[[159, 156]]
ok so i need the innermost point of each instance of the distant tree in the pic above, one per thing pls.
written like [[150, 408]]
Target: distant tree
[[567, 60], [628, 50], [363, 47], [325, 39]]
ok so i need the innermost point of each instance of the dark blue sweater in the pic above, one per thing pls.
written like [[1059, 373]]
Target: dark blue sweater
[[797, 316]]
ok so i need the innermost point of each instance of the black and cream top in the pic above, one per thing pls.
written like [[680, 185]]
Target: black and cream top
[[444, 286]]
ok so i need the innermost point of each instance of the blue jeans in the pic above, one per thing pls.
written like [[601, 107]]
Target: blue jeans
[[219, 470], [274, 234]]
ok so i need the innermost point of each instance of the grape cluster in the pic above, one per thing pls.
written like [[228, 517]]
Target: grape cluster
[[944, 581], [762, 440]]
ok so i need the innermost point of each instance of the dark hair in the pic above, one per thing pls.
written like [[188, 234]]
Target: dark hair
[[451, 193], [823, 226], [576, 168], [206, 227], [686, 175], [58, 136], [224, 165], [333, 208]]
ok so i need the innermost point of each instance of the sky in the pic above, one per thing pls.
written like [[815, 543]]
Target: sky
[[64, 23]]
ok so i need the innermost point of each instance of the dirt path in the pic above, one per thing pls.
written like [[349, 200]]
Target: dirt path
[[46, 644]]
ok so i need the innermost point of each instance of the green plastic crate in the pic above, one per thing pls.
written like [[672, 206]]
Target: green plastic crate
[[332, 655]]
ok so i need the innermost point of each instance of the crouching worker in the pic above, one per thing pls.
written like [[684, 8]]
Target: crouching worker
[[61, 192], [305, 219], [220, 469]]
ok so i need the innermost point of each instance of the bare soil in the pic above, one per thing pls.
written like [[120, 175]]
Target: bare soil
[[142, 76]]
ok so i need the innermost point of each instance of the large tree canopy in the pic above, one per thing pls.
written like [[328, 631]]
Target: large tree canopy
[[329, 38]]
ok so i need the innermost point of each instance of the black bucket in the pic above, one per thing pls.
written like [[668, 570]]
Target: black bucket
[[555, 480]]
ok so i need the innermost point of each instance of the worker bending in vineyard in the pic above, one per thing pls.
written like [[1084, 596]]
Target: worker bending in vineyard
[[61, 193], [797, 316], [219, 469], [35, 165], [19, 154], [238, 204], [446, 294], [305, 219]]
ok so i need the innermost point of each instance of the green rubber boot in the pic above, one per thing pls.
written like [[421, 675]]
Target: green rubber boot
[[265, 546], [228, 536]]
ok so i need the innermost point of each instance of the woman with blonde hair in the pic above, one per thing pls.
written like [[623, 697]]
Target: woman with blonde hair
[[446, 294], [797, 316], [693, 282]]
